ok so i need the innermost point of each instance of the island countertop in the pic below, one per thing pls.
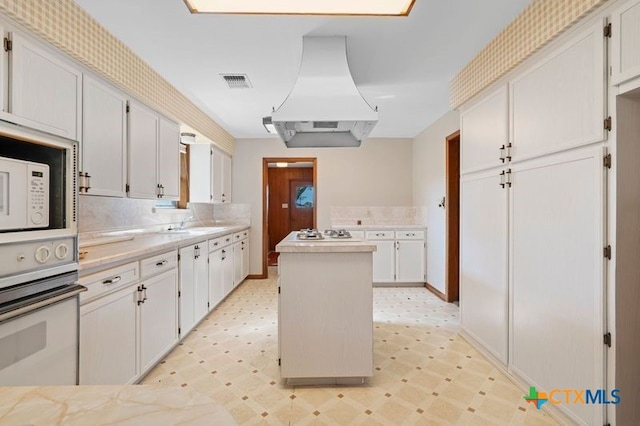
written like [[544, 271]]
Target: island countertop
[[290, 244]]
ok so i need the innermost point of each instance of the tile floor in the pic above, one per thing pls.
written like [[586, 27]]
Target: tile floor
[[425, 373]]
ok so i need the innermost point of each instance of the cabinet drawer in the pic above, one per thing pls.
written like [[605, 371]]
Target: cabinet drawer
[[380, 235], [105, 282], [218, 243], [410, 235], [239, 236], [157, 264]]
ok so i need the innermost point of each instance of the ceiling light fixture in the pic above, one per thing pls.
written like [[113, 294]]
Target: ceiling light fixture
[[266, 122], [308, 7]]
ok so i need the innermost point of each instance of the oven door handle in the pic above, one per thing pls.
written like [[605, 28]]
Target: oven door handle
[[40, 300]]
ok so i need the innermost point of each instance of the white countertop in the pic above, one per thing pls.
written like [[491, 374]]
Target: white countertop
[[290, 244], [353, 227], [97, 405], [144, 244]]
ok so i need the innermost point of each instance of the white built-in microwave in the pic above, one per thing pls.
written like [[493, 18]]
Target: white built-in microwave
[[24, 194]]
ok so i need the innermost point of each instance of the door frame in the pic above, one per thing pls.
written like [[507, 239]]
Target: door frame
[[265, 199], [452, 217]]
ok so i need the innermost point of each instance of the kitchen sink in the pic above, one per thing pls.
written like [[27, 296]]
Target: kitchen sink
[[197, 230]]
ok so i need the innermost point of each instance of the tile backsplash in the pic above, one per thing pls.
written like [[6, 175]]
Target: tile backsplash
[[103, 214], [369, 215]]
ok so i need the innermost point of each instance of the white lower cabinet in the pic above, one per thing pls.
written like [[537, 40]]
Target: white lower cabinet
[[532, 271], [194, 286], [128, 324], [221, 269], [237, 263], [158, 317], [400, 256], [483, 261], [108, 339], [245, 257]]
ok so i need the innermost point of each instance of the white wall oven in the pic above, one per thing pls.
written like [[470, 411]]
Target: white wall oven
[[39, 303]]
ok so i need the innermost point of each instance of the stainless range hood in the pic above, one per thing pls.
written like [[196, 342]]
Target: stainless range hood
[[324, 108]]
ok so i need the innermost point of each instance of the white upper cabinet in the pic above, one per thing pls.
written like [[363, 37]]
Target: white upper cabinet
[[485, 132], [45, 91], [104, 136], [220, 177], [143, 154], [625, 42], [154, 154], [559, 103], [169, 159], [200, 173]]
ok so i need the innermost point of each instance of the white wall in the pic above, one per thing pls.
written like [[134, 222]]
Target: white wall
[[429, 188], [378, 173]]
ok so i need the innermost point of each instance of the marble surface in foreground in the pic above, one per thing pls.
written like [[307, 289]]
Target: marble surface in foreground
[[290, 244], [95, 405]]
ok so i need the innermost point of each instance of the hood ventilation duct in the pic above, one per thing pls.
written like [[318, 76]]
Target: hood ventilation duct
[[324, 108]]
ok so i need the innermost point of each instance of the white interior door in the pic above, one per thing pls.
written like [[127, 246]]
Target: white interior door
[[483, 261], [556, 272]]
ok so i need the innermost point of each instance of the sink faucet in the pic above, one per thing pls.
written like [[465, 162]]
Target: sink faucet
[[182, 222]]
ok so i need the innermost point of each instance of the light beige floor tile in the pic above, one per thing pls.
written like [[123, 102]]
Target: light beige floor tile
[[424, 372]]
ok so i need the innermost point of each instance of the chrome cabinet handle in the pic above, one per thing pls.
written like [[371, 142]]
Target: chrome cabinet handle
[[112, 280], [162, 262]]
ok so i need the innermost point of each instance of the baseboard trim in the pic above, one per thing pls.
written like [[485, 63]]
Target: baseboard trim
[[435, 291], [256, 277]]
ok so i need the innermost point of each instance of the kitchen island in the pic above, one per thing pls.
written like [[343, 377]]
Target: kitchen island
[[325, 311]]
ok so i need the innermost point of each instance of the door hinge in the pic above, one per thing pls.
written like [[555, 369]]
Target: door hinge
[[607, 123], [127, 188], [179, 293], [179, 331], [606, 31], [607, 161], [8, 44], [278, 290], [178, 258], [607, 252], [607, 339], [208, 305], [279, 361], [128, 109]]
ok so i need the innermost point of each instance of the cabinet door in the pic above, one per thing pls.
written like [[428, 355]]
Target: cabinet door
[[108, 339], [158, 318], [169, 159], [201, 287], [410, 261], [104, 136], [226, 178], [216, 288], [556, 271], [227, 270], [187, 293], [4, 80], [245, 258], [216, 176], [200, 173], [384, 261], [625, 42], [143, 136], [483, 261], [484, 129], [559, 104], [237, 263], [37, 75]]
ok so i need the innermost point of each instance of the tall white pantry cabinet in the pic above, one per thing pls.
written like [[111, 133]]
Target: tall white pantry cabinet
[[533, 206]]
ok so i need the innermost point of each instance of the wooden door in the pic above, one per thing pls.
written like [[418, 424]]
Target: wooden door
[[301, 201]]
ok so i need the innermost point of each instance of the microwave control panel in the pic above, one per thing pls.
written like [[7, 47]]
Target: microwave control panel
[[38, 201]]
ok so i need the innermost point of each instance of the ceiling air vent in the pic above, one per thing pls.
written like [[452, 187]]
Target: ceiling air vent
[[237, 81]]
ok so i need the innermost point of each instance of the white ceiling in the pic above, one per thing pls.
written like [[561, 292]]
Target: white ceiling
[[401, 65]]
